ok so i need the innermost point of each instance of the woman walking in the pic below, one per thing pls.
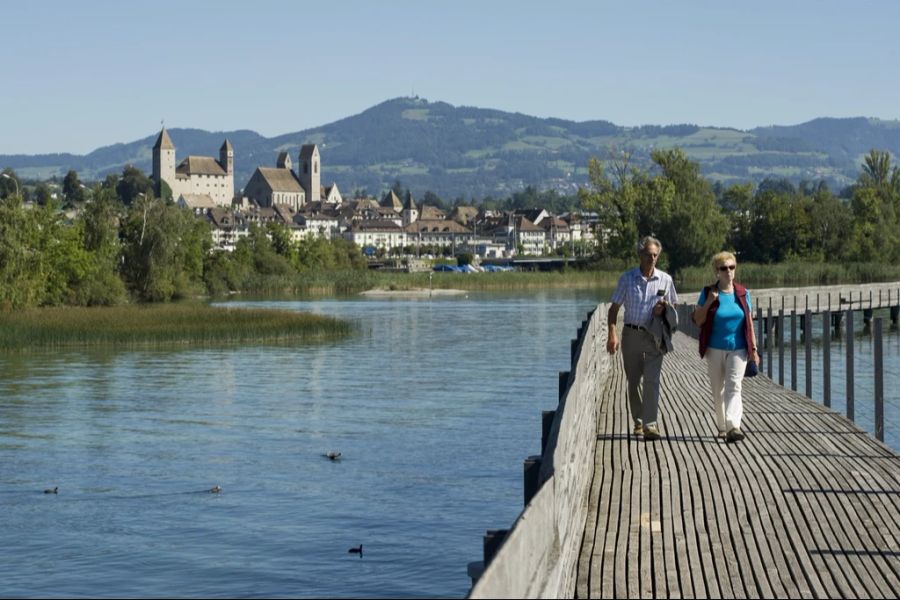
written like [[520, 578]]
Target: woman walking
[[728, 341]]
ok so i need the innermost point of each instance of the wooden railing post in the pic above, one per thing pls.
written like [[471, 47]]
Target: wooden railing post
[[807, 335], [826, 358], [781, 345], [849, 367], [769, 345], [878, 367], [794, 349]]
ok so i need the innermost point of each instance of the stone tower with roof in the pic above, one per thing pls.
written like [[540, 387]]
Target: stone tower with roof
[[196, 175], [410, 212], [226, 157], [309, 172], [163, 162]]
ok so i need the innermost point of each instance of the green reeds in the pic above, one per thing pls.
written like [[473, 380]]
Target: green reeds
[[797, 274], [351, 282], [163, 325]]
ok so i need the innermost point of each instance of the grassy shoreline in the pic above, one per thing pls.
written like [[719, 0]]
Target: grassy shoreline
[[791, 274], [197, 324], [164, 325]]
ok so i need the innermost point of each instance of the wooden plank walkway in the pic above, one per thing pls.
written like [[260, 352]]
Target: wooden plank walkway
[[807, 506]]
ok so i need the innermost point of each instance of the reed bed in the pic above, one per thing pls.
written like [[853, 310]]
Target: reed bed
[[797, 274], [164, 325], [351, 282]]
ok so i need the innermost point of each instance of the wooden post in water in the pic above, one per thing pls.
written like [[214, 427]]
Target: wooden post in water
[[769, 345], [878, 367], [531, 477], [826, 358], [807, 338], [493, 539], [546, 424], [849, 366], [781, 345], [794, 349], [563, 384]]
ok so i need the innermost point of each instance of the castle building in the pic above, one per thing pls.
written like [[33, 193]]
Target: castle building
[[269, 186], [197, 175]]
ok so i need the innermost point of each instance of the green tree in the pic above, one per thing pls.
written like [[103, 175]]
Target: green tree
[[163, 248], [132, 184], [615, 200], [876, 205], [830, 223], [73, 191], [9, 183], [737, 202], [676, 205], [42, 194], [688, 222], [21, 274]]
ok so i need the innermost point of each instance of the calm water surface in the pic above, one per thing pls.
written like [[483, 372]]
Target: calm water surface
[[433, 404]]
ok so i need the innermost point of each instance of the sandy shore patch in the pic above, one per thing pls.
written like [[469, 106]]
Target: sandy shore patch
[[412, 293]]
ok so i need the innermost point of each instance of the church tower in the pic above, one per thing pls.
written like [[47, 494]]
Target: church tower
[[163, 162], [410, 212], [309, 172], [226, 157]]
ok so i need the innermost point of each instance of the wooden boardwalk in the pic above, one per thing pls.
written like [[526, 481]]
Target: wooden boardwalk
[[807, 506]]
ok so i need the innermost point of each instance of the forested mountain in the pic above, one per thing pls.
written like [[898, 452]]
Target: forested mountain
[[474, 152]]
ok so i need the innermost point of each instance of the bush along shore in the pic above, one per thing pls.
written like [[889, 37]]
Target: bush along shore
[[161, 325]]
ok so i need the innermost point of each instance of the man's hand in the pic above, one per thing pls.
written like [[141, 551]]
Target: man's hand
[[612, 344], [659, 308]]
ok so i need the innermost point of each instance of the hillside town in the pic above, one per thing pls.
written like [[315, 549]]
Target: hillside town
[[294, 196]]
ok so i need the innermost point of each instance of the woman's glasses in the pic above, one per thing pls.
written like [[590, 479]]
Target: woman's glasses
[[724, 268]]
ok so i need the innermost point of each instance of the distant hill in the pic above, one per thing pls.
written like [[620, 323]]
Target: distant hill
[[474, 152]]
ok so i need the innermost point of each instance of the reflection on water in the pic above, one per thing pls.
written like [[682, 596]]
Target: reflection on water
[[433, 405]]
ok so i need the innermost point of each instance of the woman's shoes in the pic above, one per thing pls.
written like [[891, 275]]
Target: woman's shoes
[[734, 435]]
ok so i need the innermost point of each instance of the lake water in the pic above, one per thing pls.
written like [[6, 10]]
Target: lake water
[[433, 404]]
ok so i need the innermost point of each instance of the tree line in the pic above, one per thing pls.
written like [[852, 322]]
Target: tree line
[[127, 244], [773, 222]]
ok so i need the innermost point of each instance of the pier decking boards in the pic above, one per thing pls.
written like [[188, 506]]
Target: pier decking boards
[[807, 505]]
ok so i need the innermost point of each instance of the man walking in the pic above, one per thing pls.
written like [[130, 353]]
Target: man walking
[[643, 292]]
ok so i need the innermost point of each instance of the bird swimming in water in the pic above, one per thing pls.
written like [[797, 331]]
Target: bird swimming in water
[[356, 550], [332, 455], [53, 491], [214, 490]]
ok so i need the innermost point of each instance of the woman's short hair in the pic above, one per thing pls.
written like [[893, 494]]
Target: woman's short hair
[[648, 240], [721, 257]]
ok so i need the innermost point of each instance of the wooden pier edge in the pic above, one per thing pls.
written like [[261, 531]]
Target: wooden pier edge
[[539, 556]]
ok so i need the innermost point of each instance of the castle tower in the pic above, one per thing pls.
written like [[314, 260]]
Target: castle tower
[[410, 212], [163, 162], [226, 157], [310, 173]]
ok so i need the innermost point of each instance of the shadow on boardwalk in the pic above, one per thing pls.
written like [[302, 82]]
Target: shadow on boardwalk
[[808, 505]]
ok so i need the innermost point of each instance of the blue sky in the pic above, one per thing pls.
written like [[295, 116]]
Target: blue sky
[[79, 75]]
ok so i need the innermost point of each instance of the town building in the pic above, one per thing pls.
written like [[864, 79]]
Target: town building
[[195, 175]]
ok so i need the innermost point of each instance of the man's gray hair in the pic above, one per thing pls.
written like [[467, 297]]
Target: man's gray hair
[[648, 240]]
